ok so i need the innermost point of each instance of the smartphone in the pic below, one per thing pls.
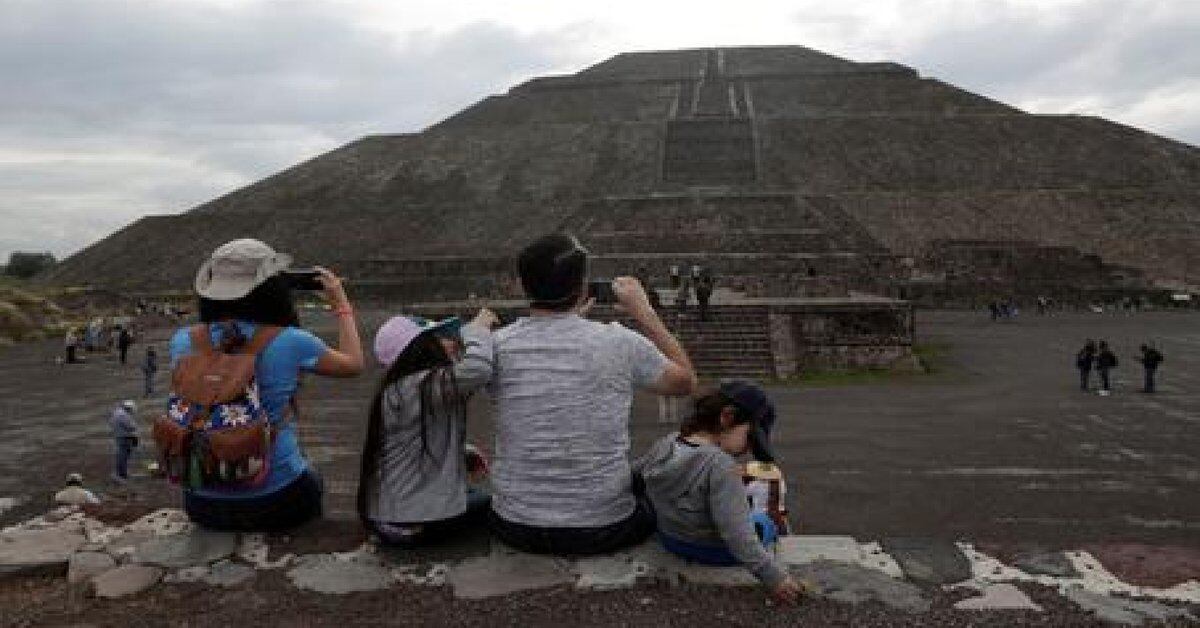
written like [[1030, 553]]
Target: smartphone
[[303, 279], [602, 291]]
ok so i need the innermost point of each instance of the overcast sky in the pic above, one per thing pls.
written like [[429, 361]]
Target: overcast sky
[[115, 109]]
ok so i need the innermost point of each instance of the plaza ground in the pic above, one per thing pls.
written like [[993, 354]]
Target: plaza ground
[[998, 446]]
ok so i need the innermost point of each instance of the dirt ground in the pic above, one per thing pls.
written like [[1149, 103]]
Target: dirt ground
[[1000, 446]]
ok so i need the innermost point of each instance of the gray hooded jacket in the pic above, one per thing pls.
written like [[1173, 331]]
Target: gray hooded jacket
[[699, 498]]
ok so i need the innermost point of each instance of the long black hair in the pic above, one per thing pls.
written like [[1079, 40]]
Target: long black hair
[[706, 415], [269, 303], [424, 353]]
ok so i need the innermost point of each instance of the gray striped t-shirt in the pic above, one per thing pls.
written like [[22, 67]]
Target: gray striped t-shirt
[[564, 387]]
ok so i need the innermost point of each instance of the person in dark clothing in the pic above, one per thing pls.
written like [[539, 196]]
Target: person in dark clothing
[[124, 340], [1106, 360], [704, 290], [149, 368], [1084, 361], [1150, 360], [994, 310]]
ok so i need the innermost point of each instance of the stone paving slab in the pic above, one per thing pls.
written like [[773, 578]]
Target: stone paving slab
[[929, 561], [1001, 596], [800, 549], [502, 573], [126, 580], [340, 574], [45, 551], [855, 584], [1124, 611], [83, 566], [1046, 563], [196, 547]]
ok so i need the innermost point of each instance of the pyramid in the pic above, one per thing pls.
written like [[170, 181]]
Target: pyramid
[[788, 171]]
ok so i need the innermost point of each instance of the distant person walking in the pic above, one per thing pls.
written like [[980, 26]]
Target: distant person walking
[[1084, 361], [149, 369], [125, 439], [1106, 361], [1150, 360], [124, 340], [683, 294], [674, 275], [71, 346]]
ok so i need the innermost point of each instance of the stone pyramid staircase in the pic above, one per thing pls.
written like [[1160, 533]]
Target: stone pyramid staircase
[[733, 342]]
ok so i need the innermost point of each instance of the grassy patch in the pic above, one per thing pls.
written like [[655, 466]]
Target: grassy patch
[[934, 358]]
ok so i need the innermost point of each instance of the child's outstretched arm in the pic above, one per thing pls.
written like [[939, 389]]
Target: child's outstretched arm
[[731, 513]]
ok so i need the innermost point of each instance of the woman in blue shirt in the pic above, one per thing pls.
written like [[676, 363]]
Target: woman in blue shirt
[[241, 288]]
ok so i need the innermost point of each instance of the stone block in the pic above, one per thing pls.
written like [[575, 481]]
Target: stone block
[[45, 551], [801, 549], [929, 561], [229, 574], [855, 584], [1125, 611], [502, 573], [1002, 596], [606, 573], [1046, 564], [195, 547], [126, 580], [338, 575], [84, 566]]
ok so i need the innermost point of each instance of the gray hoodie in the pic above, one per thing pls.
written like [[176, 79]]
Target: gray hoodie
[[699, 498]]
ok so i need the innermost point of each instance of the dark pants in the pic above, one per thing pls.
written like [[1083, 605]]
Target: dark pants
[[576, 541], [71, 359], [123, 352], [1103, 379], [1084, 376], [124, 447], [286, 508], [702, 299], [1149, 385], [478, 506], [148, 376]]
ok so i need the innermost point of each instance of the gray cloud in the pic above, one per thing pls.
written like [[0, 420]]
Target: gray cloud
[[1105, 57], [113, 109]]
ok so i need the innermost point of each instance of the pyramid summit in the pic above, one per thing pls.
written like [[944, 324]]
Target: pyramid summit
[[788, 171]]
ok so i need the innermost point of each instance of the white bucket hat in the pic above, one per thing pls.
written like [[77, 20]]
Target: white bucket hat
[[238, 267]]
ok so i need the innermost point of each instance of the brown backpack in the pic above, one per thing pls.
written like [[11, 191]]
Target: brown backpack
[[216, 433]]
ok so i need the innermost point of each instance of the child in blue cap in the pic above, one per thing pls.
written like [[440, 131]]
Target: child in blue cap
[[696, 485]]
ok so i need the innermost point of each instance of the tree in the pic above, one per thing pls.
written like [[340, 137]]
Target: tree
[[25, 264]]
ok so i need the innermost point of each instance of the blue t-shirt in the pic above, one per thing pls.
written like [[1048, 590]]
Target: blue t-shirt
[[277, 373]]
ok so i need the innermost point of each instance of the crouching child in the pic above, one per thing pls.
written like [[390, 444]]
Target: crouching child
[[697, 489]]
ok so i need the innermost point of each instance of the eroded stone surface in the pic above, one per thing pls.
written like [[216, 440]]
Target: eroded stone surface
[[38, 551], [126, 580], [855, 584], [1125, 611], [84, 566], [328, 573], [195, 547], [1001, 596], [502, 573], [929, 561]]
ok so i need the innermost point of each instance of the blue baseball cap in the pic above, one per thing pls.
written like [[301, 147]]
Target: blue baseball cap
[[752, 400]]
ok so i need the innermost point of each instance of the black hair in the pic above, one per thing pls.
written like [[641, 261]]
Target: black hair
[[706, 414], [269, 303], [424, 353], [553, 270]]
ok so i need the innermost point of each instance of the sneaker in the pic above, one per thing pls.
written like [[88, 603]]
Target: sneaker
[[1104, 393]]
